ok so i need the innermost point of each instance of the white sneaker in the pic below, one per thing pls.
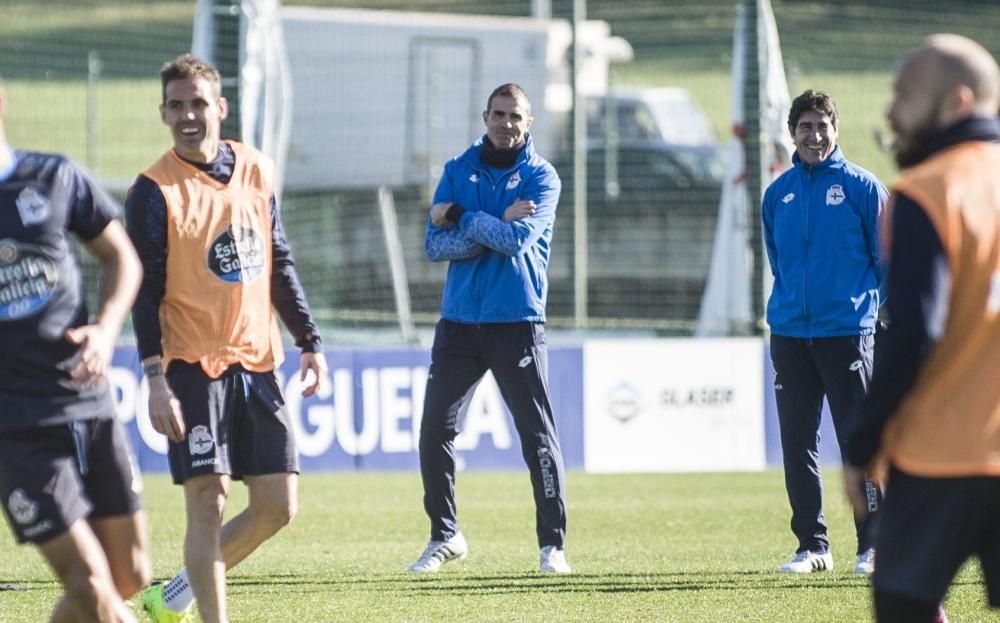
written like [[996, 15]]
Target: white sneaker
[[553, 560], [808, 562], [439, 552], [866, 561]]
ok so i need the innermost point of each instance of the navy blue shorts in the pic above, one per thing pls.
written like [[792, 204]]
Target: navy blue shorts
[[55, 475], [929, 527], [236, 424]]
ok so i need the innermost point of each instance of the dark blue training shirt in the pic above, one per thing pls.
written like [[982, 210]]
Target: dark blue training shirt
[[42, 198]]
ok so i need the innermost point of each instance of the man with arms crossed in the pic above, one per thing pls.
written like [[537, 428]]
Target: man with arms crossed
[[492, 218], [68, 480], [934, 406], [205, 223]]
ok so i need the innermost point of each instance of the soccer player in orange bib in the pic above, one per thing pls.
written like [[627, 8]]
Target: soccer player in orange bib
[[934, 406], [205, 222]]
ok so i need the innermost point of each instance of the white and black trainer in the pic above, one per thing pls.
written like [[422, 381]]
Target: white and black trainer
[[865, 562], [808, 562], [439, 552], [553, 560]]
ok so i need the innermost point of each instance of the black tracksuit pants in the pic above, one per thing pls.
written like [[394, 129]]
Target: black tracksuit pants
[[806, 369], [517, 355]]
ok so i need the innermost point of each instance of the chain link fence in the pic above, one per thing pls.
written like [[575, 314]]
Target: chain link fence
[[82, 78]]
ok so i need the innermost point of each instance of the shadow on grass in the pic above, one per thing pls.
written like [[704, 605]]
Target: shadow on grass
[[20, 586], [454, 583]]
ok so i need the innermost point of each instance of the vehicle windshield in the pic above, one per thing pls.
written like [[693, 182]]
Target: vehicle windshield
[[669, 117], [680, 121]]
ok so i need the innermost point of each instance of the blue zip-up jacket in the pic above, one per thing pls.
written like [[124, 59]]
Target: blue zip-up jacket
[[498, 270], [821, 232]]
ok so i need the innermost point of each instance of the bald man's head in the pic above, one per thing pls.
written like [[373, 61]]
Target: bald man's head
[[959, 61], [946, 79]]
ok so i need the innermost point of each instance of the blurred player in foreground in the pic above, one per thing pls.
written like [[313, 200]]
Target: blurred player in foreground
[[207, 228], [68, 479], [934, 406], [492, 219]]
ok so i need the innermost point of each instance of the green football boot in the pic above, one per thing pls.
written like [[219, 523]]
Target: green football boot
[[156, 608]]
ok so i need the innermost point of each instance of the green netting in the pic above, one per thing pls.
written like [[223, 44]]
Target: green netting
[[82, 79]]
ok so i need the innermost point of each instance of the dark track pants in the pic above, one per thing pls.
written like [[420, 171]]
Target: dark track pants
[[517, 355], [805, 370]]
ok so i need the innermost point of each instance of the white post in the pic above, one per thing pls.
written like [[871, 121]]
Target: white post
[[541, 9], [94, 67], [580, 275], [397, 266]]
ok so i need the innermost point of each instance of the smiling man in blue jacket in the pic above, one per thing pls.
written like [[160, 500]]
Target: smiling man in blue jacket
[[820, 229], [492, 219]]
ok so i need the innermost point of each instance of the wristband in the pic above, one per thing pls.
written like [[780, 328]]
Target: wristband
[[454, 213]]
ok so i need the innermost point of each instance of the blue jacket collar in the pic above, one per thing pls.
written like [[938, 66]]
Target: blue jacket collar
[[471, 155], [834, 161]]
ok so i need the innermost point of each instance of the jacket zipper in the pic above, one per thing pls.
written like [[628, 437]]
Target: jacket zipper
[[808, 253]]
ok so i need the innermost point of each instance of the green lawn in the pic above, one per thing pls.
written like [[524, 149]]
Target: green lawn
[[862, 98], [129, 135], [695, 548], [846, 48]]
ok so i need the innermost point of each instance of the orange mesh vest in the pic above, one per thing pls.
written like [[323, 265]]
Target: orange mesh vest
[[949, 423], [216, 309]]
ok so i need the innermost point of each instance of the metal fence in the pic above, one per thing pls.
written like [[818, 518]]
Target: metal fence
[[82, 79]]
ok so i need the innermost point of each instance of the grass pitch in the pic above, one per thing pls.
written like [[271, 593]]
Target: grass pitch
[[684, 548]]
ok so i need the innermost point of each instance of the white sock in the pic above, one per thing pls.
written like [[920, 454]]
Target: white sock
[[177, 594]]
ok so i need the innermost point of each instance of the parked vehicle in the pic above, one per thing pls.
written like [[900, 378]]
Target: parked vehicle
[[667, 115], [654, 179], [406, 90]]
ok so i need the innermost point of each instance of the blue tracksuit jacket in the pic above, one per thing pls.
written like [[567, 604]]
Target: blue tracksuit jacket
[[498, 270], [820, 229]]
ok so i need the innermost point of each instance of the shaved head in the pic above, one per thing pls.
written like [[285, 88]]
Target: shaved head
[[944, 80], [953, 61]]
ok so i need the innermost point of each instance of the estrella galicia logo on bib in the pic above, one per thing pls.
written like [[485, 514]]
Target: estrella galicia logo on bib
[[237, 255], [28, 280]]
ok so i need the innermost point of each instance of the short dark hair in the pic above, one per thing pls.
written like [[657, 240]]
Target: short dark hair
[[509, 89], [812, 101], [189, 67]]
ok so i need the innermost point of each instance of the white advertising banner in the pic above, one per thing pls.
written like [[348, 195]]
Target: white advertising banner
[[673, 405]]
